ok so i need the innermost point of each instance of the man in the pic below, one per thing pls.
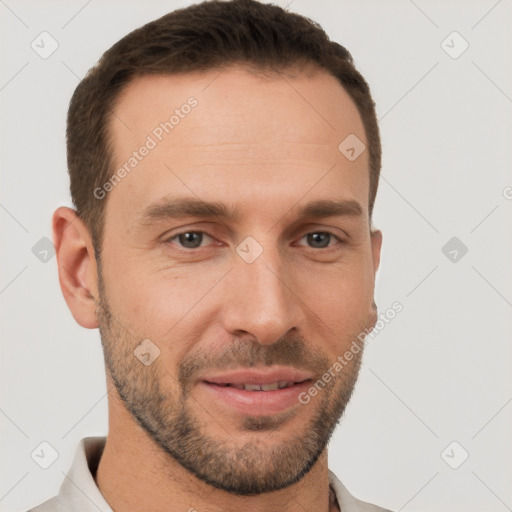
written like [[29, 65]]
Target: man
[[224, 163]]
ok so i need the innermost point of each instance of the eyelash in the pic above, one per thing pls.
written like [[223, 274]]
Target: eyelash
[[169, 240]]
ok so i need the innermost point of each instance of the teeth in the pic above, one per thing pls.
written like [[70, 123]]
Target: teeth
[[263, 387], [252, 387]]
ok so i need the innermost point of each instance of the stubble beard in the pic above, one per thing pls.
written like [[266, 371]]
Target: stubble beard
[[256, 466]]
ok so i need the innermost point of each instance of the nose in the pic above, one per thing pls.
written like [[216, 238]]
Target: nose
[[261, 300]]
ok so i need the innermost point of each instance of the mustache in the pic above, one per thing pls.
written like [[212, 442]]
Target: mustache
[[246, 353]]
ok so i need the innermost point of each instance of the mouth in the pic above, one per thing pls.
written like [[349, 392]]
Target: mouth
[[265, 379], [256, 393]]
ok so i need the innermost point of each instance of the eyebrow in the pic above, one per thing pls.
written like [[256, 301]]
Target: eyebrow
[[191, 207]]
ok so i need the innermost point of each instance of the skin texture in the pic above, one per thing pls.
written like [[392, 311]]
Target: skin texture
[[266, 145]]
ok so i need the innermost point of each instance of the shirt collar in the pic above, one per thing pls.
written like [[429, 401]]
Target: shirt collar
[[79, 490]]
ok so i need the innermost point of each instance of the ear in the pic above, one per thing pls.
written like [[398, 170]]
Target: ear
[[76, 265], [376, 241]]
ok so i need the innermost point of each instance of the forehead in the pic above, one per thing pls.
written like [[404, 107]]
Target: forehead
[[231, 133]]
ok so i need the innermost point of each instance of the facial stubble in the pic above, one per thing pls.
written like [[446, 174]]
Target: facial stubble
[[163, 405]]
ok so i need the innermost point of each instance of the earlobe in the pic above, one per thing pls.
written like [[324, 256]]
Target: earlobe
[[76, 265], [372, 316]]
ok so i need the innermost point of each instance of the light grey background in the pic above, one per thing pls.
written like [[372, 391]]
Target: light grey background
[[438, 373]]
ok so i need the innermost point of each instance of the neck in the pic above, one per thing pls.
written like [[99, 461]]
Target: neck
[[134, 473]]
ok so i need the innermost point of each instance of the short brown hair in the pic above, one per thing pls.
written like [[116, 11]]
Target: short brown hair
[[209, 35]]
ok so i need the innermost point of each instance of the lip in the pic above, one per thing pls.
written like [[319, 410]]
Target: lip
[[253, 376], [254, 403]]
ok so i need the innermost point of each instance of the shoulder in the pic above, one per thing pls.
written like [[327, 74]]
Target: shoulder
[[349, 503]]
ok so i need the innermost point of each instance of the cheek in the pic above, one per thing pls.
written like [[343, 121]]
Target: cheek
[[348, 280], [161, 305], [341, 297]]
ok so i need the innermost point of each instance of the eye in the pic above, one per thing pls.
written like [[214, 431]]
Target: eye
[[320, 239], [190, 239]]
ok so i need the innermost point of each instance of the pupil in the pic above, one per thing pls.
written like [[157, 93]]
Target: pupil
[[314, 237], [187, 238]]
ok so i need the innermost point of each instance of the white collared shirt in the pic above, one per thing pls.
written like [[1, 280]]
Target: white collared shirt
[[80, 493]]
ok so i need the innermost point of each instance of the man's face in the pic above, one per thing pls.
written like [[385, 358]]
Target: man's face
[[265, 290]]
